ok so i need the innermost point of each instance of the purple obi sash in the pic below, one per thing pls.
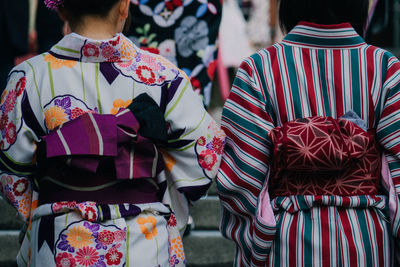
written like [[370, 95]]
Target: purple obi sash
[[88, 158]]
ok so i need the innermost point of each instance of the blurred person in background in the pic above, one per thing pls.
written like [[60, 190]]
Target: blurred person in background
[[14, 22]]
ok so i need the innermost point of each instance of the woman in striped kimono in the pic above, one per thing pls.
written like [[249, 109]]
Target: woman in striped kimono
[[98, 150], [310, 174]]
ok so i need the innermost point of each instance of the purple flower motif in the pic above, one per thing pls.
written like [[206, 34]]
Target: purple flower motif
[[174, 261], [63, 245], [209, 146], [100, 262], [65, 103], [92, 227], [162, 67]]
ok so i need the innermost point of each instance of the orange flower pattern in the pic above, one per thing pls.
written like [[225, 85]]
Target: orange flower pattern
[[79, 237], [119, 103], [148, 227], [55, 116], [56, 63], [176, 247]]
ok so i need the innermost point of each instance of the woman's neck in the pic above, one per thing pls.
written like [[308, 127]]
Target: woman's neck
[[96, 28]]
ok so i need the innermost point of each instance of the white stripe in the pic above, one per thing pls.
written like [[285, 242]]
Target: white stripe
[[154, 168], [64, 142], [122, 112], [96, 127], [131, 157]]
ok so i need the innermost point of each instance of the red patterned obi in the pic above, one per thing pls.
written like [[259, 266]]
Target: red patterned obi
[[324, 156]]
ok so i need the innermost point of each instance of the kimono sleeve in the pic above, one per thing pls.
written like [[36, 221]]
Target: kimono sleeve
[[17, 145], [388, 135], [195, 141], [245, 162]]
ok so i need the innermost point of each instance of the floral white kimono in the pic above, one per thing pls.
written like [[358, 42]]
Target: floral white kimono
[[80, 76]]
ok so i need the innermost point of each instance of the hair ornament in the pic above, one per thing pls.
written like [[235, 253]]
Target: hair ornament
[[53, 4]]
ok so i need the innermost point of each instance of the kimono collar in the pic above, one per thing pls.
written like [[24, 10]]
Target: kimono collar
[[76, 47], [312, 35]]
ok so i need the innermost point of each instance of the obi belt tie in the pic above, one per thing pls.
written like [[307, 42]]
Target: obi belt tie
[[129, 138]]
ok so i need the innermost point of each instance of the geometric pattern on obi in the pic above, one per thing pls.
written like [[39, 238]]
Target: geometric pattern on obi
[[323, 156]]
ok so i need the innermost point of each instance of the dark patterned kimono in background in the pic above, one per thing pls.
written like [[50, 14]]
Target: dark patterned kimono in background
[[185, 32]]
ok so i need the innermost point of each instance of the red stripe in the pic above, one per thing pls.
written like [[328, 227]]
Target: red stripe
[[276, 72], [352, 250], [325, 239], [293, 240], [309, 81]]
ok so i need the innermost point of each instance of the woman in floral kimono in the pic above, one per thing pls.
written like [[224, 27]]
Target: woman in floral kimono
[[103, 147], [310, 171]]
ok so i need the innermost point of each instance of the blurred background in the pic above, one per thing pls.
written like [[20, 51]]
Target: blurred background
[[27, 28]]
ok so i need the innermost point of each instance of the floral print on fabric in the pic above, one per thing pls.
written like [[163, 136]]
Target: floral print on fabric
[[91, 244], [184, 32], [209, 149], [64, 108], [17, 191], [148, 226], [57, 63], [9, 128]]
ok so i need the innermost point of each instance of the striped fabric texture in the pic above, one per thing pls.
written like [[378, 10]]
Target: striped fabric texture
[[317, 70]]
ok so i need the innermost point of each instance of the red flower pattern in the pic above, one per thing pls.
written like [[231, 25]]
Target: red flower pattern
[[20, 187], [65, 260], [172, 221], [90, 50], [106, 237], [207, 159], [218, 145], [90, 214], [146, 75], [10, 101], [87, 256], [3, 121], [11, 133], [113, 257], [20, 87]]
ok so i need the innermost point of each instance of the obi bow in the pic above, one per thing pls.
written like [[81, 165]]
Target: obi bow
[[88, 139]]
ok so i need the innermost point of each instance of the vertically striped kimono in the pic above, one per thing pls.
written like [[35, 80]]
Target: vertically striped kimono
[[80, 98], [317, 70]]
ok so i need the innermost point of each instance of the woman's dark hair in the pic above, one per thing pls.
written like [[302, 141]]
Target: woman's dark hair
[[74, 10], [291, 12]]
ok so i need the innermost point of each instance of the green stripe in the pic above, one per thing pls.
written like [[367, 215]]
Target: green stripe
[[339, 42], [127, 246], [97, 86], [117, 211], [16, 162], [355, 81], [177, 101], [308, 242], [198, 125], [258, 62], [67, 49], [83, 83], [36, 85], [51, 80], [101, 213], [182, 148], [15, 171], [324, 86], [293, 81], [366, 237]]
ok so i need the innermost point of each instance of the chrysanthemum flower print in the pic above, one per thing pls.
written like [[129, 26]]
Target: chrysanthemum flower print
[[119, 103], [148, 226], [79, 237], [87, 256], [56, 63], [55, 116]]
